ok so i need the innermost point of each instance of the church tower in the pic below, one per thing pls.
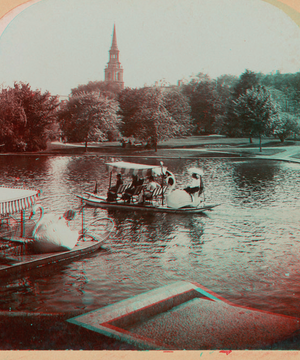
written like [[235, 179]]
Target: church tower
[[114, 71]]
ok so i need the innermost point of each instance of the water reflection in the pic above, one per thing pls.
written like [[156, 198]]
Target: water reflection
[[247, 250], [255, 183]]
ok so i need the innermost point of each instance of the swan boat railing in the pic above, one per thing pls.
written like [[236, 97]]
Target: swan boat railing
[[16, 242], [166, 198]]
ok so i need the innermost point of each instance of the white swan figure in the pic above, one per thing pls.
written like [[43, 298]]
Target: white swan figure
[[178, 198], [52, 233]]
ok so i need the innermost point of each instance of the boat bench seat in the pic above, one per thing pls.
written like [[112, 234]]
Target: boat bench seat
[[116, 195], [122, 188], [155, 195], [137, 192], [158, 192]]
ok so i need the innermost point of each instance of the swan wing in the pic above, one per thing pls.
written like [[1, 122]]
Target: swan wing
[[54, 235]]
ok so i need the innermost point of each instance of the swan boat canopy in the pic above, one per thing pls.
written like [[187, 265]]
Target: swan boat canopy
[[19, 245], [164, 198], [14, 200]]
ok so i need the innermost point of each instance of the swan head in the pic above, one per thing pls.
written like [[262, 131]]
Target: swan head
[[170, 182]]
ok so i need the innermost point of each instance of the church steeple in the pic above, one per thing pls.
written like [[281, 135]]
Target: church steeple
[[114, 45], [114, 71]]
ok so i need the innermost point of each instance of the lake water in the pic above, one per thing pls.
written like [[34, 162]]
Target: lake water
[[246, 250]]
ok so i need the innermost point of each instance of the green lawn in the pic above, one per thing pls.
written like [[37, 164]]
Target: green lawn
[[185, 147]]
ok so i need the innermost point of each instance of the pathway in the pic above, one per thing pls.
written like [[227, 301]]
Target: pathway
[[286, 154]]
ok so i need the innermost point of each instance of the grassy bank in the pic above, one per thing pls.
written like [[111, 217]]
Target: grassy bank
[[193, 146]]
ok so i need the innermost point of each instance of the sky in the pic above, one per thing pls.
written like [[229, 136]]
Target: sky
[[55, 45]]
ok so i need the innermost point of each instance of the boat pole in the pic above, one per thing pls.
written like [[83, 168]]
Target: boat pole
[[162, 182], [22, 223], [110, 180], [82, 219]]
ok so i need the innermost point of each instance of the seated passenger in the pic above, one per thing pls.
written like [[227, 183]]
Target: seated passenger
[[130, 191], [140, 181], [150, 187], [112, 192]]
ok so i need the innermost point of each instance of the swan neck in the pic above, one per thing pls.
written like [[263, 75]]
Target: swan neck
[[41, 209]]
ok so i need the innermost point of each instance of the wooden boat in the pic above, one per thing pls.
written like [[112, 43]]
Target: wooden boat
[[164, 199], [22, 260], [17, 253], [98, 201]]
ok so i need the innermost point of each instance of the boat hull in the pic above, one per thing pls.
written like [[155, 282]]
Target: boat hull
[[97, 201], [25, 260], [30, 262]]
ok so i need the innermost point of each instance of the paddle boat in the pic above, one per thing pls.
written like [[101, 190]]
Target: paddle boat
[[26, 244], [164, 198]]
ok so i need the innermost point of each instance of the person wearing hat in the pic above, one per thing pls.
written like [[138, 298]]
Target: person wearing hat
[[129, 192], [112, 192], [195, 186], [150, 187]]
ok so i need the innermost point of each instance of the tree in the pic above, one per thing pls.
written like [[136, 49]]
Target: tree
[[178, 107], [289, 86], [247, 80], [223, 95], [257, 112], [149, 114], [88, 116], [285, 126], [109, 90], [26, 118], [12, 122], [200, 92], [129, 102]]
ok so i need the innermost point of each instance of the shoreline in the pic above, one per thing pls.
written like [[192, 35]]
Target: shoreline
[[193, 147], [204, 145]]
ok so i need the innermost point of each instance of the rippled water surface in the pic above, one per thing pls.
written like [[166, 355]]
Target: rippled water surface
[[246, 250]]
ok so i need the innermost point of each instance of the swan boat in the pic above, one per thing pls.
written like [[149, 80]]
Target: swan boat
[[166, 198], [18, 251]]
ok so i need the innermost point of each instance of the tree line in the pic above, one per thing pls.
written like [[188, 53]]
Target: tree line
[[251, 105]]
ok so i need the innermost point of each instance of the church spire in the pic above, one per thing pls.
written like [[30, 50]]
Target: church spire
[[114, 45], [114, 71]]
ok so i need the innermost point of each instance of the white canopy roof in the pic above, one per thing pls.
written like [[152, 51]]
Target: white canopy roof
[[13, 199], [127, 168]]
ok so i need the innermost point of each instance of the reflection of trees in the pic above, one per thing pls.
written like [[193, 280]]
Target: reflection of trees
[[254, 181], [153, 231], [23, 168], [197, 230], [139, 226], [90, 168]]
